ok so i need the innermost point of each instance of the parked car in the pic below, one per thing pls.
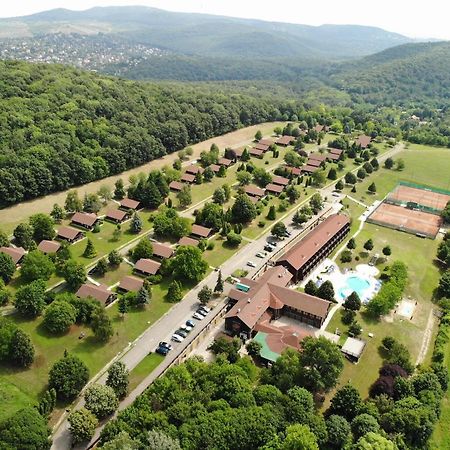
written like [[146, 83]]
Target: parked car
[[261, 254], [268, 248], [251, 264], [190, 323], [186, 328], [202, 312], [181, 332], [205, 308], [177, 338], [162, 350], [165, 344], [198, 316]]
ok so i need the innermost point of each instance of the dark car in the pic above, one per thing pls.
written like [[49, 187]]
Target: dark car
[[268, 248], [166, 345], [181, 333], [162, 350]]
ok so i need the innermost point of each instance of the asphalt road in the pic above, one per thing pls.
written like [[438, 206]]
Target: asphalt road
[[179, 313]]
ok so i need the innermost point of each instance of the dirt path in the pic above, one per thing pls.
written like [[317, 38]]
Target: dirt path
[[427, 335], [10, 217]]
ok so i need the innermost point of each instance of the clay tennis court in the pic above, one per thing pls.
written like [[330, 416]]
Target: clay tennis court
[[422, 197], [411, 221]]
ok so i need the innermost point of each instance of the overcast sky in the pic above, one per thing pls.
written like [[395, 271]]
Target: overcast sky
[[413, 18]]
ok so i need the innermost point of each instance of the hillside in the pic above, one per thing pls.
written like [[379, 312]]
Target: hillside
[[207, 35], [62, 127], [411, 73]]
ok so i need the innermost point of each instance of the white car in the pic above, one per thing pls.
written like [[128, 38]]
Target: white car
[[261, 255], [251, 264], [198, 316], [186, 328], [205, 308], [177, 338]]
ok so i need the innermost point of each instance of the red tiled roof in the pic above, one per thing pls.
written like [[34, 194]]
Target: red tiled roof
[[116, 214], [188, 241], [263, 147], [225, 162], [317, 157], [130, 283], [68, 233], [265, 142], [147, 266], [161, 250], [254, 191], [280, 180], [215, 167], [255, 152], [313, 162], [16, 253], [198, 230], [335, 151], [363, 140], [285, 140], [48, 246], [188, 177], [333, 156], [302, 252], [176, 185], [271, 187], [100, 293], [309, 169], [194, 169], [128, 203], [86, 219], [294, 170], [318, 128]]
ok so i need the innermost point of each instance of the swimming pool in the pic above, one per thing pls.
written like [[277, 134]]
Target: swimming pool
[[356, 284]]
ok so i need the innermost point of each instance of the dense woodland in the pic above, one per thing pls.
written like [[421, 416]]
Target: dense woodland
[[62, 127]]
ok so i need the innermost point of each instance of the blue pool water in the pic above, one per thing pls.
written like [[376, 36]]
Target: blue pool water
[[354, 284]]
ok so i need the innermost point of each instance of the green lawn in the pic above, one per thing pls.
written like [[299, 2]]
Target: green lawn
[[144, 368], [221, 251], [12, 398], [114, 275]]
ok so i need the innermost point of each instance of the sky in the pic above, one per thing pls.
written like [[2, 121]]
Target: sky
[[414, 18]]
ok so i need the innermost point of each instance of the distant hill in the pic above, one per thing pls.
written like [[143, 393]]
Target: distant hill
[[400, 75], [208, 35]]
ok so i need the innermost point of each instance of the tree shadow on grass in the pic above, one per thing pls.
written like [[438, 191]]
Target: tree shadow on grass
[[369, 319]]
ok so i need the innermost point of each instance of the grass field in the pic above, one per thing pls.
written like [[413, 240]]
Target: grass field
[[144, 368], [221, 251]]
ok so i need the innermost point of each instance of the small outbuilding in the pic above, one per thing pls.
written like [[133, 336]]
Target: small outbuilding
[[254, 191], [176, 186], [353, 348], [284, 141], [130, 284], [276, 189], [48, 246], [185, 240], [100, 293], [16, 253], [129, 204], [116, 215], [162, 251], [84, 220], [188, 178], [69, 234], [200, 232], [146, 267]]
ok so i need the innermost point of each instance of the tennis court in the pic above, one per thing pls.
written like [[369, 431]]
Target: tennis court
[[404, 219], [422, 197]]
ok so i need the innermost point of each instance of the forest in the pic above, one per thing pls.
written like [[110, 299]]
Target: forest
[[61, 127]]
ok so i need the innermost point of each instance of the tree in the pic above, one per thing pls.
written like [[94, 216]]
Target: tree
[[351, 244], [400, 164], [57, 213], [89, 251], [444, 284], [244, 178], [36, 266], [243, 210], [326, 291], [368, 245], [318, 178], [374, 441], [119, 189], [42, 227], [445, 213], [73, 202], [184, 196], [123, 305], [272, 215], [339, 432], [74, 274], [59, 316], [279, 230], [174, 293], [143, 296], [47, 403], [150, 195], [91, 203], [361, 174], [354, 329], [219, 196], [25, 429], [7, 267], [321, 363], [253, 348], [389, 163], [208, 174], [316, 203], [101, 267], [21, 349], [363, 424], [101, 325], [299, 218], [353, 302], [143, 249], [158, 440], [350, 178], [204, 295], [117, 233], [346, 256], [115, 258], [101, 400], [245, 155], [311, 288], [136, 224], [118, 375], [23, 236], [30, 299], [292, 159], [293, 194], [68, 376], [258, 135], [387, 250], [82, 425], [346, 402], [123, 441], [188, 264], [211, 216], [339, 185], [332, 174], [219, 284], [372, 188], [261, 177], [105, 193], [299, 437]]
